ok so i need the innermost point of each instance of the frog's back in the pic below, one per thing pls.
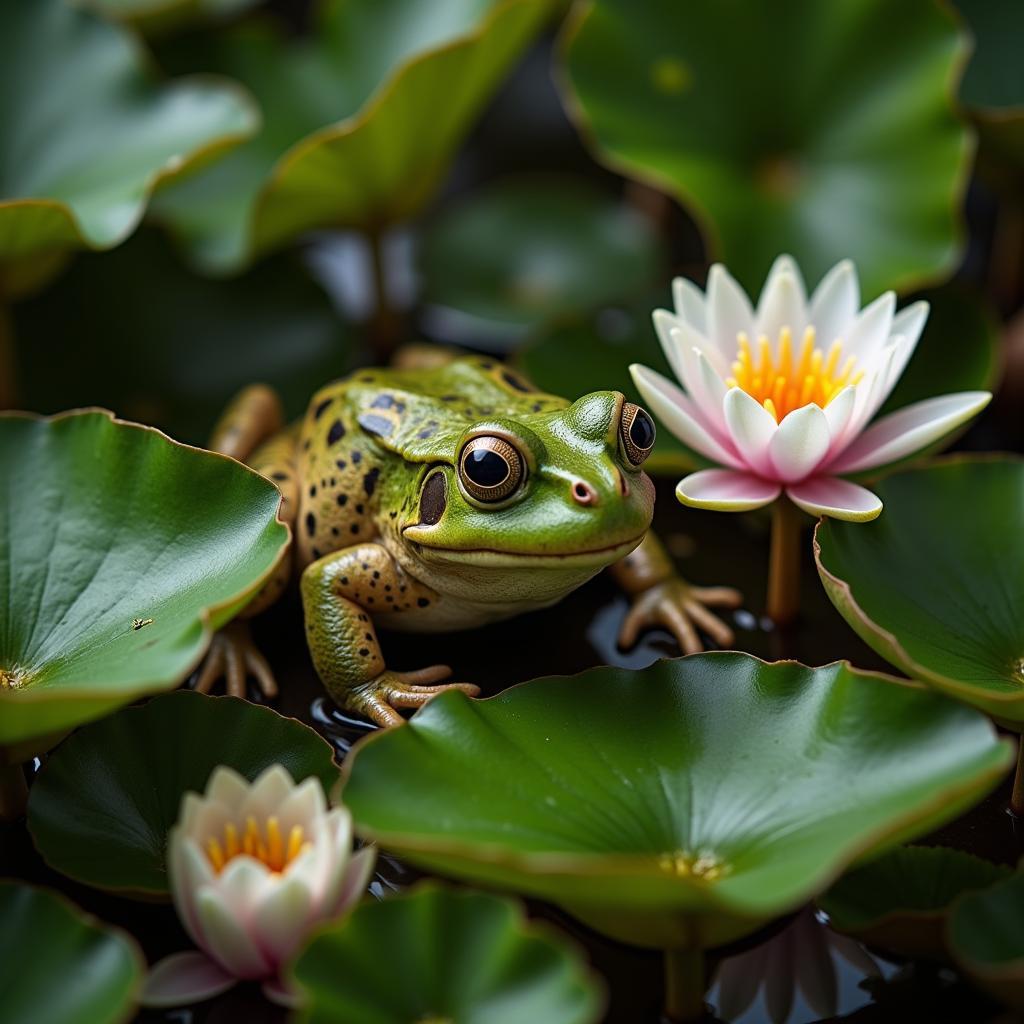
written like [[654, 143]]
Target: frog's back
[[363, 436]]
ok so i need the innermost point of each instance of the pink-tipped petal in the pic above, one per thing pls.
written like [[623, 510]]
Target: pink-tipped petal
[[908, 430], [752, 428], [800, 443], [728, 311], [834, 303], [227, 939], [278, 991], [840, 499], [783, 303], [703, 384], [690, 305], [358, 873], [281, 920], [679, 414], [838, 413], [726, 491], [871, 329], [184, 978]]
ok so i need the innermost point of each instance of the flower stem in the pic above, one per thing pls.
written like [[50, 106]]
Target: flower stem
[[684, 986], [13, 792], [784, 568], [8, 378], [1017, 794], [384, 323]]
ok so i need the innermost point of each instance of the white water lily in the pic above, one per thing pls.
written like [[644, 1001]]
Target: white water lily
[[253, 869], [781, 396]]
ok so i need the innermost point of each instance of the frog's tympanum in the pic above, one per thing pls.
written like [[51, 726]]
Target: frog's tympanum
[[444, 498]]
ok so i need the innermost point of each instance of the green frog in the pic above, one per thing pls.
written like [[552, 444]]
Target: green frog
[[442, 498]]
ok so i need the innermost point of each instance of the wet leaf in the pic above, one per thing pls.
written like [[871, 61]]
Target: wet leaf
[[625, 797], [465, 956], [933, 584], [522, 251], [105, 525], [360, 121], [63, 967], [101, 808], [822, 130], [89, 132], [986, 938], [134, 331], [901, 900]]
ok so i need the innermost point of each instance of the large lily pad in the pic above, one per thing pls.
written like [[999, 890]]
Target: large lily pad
[[135, 331], [102, 806], [522, 251], [901, 901], [465, 957], [120, 552], [934, 584], [679, 806], [360, 121], [986, 937], [822, 130], [88, 133], [582, 353], [61, 966]]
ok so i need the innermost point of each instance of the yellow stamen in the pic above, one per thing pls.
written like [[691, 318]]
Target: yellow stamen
[[703, 865], [782, 379], [266, 844]]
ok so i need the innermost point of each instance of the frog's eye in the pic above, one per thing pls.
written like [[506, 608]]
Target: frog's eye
[[637, 433], [490, 468]]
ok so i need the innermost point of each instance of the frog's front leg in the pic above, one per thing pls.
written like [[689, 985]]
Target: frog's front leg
[[662, 598], [339, 593]]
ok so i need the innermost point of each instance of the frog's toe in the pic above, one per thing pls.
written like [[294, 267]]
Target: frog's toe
[[233, 657], [681, 609], [382, 697]]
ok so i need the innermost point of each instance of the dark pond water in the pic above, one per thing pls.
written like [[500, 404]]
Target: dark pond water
[[797, 963]]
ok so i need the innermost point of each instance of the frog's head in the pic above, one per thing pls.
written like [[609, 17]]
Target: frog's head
[[556, 489]]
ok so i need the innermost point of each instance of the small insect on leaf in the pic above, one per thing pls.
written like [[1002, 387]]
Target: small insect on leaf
[[139, 623]]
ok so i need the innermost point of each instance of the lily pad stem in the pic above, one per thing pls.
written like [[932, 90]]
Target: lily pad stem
[[1017, 794], [684, 986], [384, 323], [8, 379], [784, 568], [13, 792]]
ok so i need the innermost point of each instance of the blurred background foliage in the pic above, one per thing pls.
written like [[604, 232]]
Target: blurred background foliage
[[198, 193]]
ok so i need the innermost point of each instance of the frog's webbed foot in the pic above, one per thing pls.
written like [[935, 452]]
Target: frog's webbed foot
[[680, 608], [233, 657], [380, 698]]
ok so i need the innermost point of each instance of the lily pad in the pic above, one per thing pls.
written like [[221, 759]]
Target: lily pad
[[677, 807], [828, 132], [101, 808], [62, 966], [465, 958], [135, 331], [986, 938], [934, 584], [88, 132], [901, 901], [360, 121], [522, 251], [121, 551]]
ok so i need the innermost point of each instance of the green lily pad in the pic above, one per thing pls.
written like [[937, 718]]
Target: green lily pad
[[828, 132], [994, 77], [986, 938], [679, 806], [89, 133], [934, 584], [121, 551], [466, 958], [101, 808], [901, 900], [522, 251], [135, 331], [63, 967], [360, 121]]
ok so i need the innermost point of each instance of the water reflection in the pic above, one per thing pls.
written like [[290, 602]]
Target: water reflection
[[803, 973]]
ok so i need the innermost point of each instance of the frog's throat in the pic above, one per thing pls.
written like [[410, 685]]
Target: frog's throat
[[496, 558]]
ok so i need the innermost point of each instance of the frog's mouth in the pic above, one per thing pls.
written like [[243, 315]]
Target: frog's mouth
[[499, 558]]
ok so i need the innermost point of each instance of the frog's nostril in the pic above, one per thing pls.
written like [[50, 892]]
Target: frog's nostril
[[623, 484], [583, 493]]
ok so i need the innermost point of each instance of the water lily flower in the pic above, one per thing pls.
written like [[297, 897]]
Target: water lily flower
[[781, 397], [253, 869]]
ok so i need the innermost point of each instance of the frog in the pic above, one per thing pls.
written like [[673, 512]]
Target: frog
[[445, 497]]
